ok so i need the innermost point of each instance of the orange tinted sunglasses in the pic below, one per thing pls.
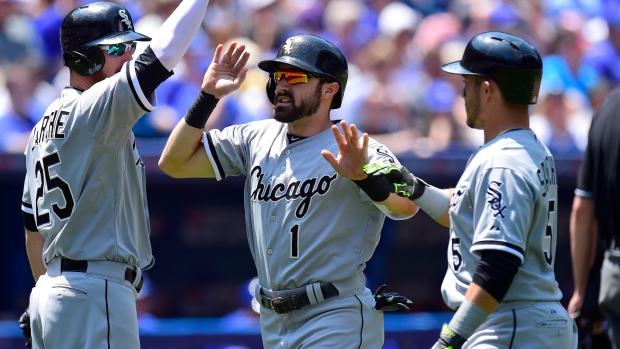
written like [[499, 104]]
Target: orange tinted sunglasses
[[293, 77]]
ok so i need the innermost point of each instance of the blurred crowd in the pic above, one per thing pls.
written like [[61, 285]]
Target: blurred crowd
[[396, 90]]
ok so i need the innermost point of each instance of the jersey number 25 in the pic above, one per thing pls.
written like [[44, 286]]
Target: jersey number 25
[[49, 183]]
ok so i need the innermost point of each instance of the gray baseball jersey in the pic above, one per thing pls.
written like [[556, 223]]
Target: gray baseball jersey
[[506, 200], [305, 223], [85, 181]]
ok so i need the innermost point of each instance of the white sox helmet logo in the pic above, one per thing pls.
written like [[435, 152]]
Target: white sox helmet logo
[[125, 19], [288, 46]]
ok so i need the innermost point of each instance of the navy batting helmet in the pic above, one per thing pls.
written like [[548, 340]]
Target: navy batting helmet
[[510, 61], [312, 54], [97, 23]]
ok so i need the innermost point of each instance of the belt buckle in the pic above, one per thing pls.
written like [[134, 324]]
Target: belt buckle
[[283, 306]]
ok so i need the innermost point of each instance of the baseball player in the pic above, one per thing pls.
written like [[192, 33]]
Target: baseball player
[[311, 226], [84, 200], [502, 214]]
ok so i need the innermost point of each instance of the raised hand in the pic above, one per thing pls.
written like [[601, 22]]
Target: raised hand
[[226, 73], [352, 152]]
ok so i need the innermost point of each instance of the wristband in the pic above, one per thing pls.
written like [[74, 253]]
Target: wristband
[[467, 319], [376, 187], [201, 109], [433, 201]]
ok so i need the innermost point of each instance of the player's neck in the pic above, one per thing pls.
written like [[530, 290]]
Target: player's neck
[[309, 126], [509, 119], [83, 83]]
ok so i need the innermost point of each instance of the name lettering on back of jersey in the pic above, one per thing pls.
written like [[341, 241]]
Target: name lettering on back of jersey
[[546, 174], [305, 189], [51, 127], [495, 199]]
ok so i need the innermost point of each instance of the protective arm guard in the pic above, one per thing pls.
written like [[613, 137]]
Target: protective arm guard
[[403, 182]]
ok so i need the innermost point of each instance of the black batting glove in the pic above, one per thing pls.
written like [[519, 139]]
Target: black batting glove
[[449, 339], [24, 324], [390, 301], [402, 181]]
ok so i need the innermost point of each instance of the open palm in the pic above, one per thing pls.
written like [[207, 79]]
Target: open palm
[[226, 73], [352, 152]]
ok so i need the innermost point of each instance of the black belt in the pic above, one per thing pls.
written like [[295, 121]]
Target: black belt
[[284, 305], [67, 264]]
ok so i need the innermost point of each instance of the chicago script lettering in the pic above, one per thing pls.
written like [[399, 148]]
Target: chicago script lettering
[[305, 189]]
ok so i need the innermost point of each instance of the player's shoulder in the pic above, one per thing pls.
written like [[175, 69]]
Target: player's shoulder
[[515, 149], [253, 130], [514, 142]]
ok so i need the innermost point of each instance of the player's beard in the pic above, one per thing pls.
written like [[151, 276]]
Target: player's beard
[[307, 107], [472, 108]]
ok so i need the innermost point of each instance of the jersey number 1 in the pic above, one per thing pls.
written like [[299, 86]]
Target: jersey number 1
[[295, 241], [49, 183]]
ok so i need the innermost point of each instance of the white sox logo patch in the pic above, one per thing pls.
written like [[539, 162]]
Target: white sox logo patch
[[125, 19], [297, 189], [495, 199]]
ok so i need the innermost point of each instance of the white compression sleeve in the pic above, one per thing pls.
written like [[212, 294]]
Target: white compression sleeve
[[176, 34]]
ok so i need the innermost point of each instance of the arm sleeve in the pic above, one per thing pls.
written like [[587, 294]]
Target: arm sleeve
[[496, 271], [150, 72], [176, 34]]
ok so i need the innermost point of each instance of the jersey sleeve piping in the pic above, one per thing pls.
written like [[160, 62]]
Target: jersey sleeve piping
[[499, 246], [26, 207], [139, 96], [212, 154]]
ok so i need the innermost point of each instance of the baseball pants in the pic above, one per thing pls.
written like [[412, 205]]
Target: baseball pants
[[94, 309], [350, 322], [522, 324]]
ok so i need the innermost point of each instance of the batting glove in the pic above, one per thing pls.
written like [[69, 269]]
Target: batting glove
[[403, 182], [449, 339], [390, 301], [24, 324]]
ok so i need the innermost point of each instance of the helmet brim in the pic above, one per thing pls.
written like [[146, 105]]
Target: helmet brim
[[117, 38], [456, 68]]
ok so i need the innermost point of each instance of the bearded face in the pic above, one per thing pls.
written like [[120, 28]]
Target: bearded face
[[308, 105]]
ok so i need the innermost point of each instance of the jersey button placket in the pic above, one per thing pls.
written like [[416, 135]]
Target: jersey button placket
[[269, 251]]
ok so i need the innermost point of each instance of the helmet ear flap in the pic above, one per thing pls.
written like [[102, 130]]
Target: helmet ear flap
[[86, 63], [271, 89]]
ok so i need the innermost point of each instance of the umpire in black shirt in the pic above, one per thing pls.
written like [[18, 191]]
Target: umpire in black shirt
[[596, 208]]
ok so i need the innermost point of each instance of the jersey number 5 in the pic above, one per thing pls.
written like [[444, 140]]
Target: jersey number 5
[[49, 183], [550, 233]]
